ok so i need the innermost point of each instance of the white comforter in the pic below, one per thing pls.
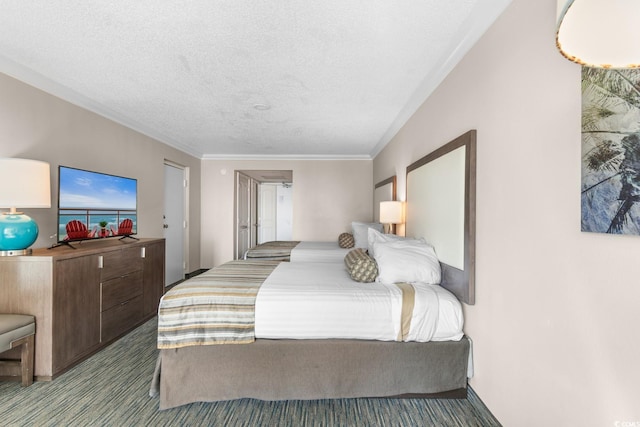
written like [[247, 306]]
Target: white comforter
[[307, 251], [301, 300]]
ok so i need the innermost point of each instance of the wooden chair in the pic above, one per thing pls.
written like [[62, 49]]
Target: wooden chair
[[17, 330]]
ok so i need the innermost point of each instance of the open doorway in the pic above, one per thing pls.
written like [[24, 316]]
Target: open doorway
[[264, 207]]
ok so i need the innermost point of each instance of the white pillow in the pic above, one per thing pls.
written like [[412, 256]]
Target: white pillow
[[406, 261], [360, 232], [375, 236]]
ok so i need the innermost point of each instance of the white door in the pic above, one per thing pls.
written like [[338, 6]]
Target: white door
[[243, 217], [174, 223], [284, 209], [267, 214]]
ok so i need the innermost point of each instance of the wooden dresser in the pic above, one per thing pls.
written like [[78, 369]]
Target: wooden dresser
[[83, 298]]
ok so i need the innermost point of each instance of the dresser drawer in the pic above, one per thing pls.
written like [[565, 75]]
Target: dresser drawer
[[121, 289], [120, 262], [120, 318]]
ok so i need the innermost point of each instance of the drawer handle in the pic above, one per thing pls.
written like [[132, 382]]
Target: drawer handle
[[125, 303]]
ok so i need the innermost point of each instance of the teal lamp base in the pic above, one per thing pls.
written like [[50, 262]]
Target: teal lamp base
[[17, 232]]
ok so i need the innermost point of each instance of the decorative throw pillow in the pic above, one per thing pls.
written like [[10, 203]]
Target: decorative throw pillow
[[345, 240], [361, 267]]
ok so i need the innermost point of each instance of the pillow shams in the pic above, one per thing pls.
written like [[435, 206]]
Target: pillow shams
[[361, 267], [360, 232], [375, 236], [400, 261]]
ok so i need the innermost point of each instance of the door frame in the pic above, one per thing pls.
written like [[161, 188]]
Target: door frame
[[256, 177], [249, 195], [185, 212]]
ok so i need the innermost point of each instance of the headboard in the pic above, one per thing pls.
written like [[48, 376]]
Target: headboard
[[384, 191], [441, 207]]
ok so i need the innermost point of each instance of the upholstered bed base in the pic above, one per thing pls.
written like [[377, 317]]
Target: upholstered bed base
[[311, 369]]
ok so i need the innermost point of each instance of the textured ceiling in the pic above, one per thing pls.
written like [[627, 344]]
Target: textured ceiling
[[216, 79]]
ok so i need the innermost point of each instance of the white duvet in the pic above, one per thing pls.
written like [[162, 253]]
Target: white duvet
[[302, 300], [307, 251]]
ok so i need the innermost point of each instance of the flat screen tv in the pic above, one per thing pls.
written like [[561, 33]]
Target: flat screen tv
[[94, 205]]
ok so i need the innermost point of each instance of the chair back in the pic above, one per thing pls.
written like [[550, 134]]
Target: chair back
[[126, 227], [76, 230]]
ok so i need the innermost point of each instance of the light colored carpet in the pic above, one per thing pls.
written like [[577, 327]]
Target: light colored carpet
[[111, 389]]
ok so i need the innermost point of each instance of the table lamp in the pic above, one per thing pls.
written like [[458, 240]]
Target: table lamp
[[23, 184], [390, 214]]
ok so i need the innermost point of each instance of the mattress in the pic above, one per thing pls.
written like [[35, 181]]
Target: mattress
[[304, 300], [307, 251]]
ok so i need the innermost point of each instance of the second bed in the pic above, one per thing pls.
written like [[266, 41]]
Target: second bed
[[295, 251]]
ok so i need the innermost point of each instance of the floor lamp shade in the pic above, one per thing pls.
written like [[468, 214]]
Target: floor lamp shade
[[599, 33], [23, 184]]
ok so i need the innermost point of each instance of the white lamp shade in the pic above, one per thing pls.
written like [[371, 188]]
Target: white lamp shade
[[599, 33], [391, 212], [24, 183]]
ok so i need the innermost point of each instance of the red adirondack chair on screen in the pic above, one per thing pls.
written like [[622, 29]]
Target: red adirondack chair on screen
[[124, 229], [77, 230]]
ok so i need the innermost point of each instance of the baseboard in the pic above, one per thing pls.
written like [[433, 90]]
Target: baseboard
[[186, 276], [195, 273], [460, 393]]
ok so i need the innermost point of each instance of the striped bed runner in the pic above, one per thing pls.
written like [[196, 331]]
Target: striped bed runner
[[278, 249], [215, 307]]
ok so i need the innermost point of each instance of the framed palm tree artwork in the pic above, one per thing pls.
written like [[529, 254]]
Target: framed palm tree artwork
[[611, 151]]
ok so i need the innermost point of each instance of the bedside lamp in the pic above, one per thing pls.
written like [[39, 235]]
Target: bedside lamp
[[599, 33], [390, 214], [23, 184]]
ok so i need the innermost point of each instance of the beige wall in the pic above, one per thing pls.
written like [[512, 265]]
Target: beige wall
[[36, 125], [555, 326], [327, 196]]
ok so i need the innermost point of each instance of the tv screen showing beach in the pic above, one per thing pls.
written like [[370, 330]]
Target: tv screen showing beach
[[93, 205]]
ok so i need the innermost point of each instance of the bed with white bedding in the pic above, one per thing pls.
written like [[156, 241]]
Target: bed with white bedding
[[311, 323], [389, 360], [314, 251], [296, 251], [241, 301]]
